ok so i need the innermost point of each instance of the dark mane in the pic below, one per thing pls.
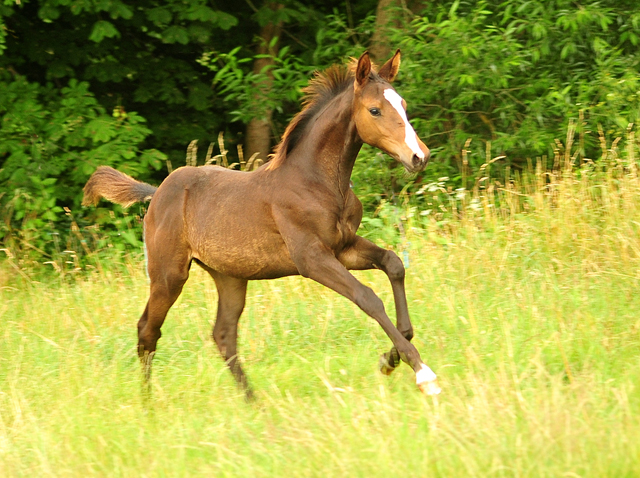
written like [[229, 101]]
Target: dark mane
[[322, 88]]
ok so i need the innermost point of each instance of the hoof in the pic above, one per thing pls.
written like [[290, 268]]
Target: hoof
[[427, 381], [385, 366]]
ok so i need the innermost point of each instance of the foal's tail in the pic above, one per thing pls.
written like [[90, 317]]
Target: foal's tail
[[116, 187]]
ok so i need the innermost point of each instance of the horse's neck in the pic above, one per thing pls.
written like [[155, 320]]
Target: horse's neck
[[332, 144]]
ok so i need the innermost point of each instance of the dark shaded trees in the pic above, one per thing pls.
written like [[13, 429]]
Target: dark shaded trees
[[131, 84], [124, 83]]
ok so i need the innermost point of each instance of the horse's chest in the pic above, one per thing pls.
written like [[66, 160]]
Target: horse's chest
[[347, 223]]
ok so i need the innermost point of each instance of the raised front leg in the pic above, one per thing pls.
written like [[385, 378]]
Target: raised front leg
[[318, 263], [364, 255]]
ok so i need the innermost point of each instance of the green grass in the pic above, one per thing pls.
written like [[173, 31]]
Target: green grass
[[528, 313]]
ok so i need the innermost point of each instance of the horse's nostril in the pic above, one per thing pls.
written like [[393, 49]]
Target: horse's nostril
[[415, 160]]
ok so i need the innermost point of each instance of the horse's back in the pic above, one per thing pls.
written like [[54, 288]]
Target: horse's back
[[205, 184]]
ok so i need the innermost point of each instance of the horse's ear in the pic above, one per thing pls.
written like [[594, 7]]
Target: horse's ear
[[363, 69], [390, 69]]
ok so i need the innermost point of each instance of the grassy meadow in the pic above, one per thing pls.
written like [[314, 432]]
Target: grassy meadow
[[526, 306]]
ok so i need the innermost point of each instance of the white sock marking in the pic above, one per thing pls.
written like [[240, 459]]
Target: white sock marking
[[410, 136], [425, 374]]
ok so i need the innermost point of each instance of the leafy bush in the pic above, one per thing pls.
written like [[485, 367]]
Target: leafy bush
[[487, 81], [514, 75], [242, 89], [49, 146]]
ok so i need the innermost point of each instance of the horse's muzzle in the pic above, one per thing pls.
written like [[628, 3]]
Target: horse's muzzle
[[420, 163]]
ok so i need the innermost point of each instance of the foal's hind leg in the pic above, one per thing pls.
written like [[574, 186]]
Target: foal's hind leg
[[231, 298], [365, 255], [167, 279]]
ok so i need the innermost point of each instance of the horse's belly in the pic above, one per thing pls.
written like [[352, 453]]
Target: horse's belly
[[246, 257]]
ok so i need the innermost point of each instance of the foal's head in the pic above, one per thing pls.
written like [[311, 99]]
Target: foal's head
[[380, 114]]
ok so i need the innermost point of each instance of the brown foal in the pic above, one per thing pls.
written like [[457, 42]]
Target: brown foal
[[294, 215]]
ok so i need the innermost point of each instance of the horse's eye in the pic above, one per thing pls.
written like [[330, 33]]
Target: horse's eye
[[375, 112]]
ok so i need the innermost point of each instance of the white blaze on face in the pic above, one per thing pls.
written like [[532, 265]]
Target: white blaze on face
[[410, 136]]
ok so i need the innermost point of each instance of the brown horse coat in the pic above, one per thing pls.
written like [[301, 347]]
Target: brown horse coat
[[294, 215]]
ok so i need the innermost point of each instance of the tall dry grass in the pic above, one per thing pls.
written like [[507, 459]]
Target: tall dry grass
[[524, 299]]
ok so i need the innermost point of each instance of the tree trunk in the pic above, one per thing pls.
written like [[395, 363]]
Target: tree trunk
[[391, 14], [258, 134], [386, 17]]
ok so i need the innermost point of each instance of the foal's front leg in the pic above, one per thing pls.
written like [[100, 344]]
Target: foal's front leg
[[365, 255], [318, 263]]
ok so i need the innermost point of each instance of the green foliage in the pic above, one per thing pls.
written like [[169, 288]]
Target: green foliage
[[336, 39], [68, 64], [482, 80], [513, 75], [493, 79], [142, 57], [103, 29], [3, 32], [50, 142], [243, 90]]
